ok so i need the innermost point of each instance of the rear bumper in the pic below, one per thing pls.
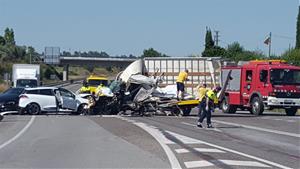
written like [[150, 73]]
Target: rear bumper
[[282, 102]]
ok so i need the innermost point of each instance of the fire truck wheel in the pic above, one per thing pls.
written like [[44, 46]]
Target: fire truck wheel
[[291, 111], [257, 106], [227, 108]]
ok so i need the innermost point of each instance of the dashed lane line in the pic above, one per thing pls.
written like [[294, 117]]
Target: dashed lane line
[[19, 134], [237, 152], [196, 164], [158, 135], [258, 128], [203, 163], [202, 150]]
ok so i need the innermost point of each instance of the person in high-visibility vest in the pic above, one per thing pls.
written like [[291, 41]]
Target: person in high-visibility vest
[[182, 77], [85, 88], [201, 94], [207, 106], [98, 91]]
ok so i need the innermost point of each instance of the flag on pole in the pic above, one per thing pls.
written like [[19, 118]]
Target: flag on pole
[[267, 41]]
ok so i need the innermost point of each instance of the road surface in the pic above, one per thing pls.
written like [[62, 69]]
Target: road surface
[[63, 141]]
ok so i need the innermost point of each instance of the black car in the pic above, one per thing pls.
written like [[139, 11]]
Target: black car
[[9, 99]]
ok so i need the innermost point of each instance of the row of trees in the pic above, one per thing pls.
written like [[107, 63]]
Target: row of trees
[[234, 51], [11, 53]]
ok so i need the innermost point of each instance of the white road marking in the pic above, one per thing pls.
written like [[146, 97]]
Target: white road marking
[[243, 163], [174, 161], [194, 125], [19, 134], [185, 139], [235, 152], [8, 112], [194, 164], [260, 129], [202, 150], [155, 133], [203, 163]]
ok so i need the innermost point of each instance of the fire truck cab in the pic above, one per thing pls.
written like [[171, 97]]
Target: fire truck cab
[[262, 84]]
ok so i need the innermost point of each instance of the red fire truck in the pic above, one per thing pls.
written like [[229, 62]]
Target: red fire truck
[[257, 85]]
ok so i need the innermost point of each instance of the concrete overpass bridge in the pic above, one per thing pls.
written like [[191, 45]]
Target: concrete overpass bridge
[[92, 61]]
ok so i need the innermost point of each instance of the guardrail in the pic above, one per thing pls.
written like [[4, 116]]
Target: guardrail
[[64, 83]]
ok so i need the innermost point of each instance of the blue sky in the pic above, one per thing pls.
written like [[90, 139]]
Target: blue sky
[[173, 27]]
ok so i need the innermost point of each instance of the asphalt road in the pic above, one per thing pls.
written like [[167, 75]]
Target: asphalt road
[[63, 141]]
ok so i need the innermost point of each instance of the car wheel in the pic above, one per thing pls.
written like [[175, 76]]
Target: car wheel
[[81, 109], [34, 109], [227, 108], [291, 111], [257, 106]]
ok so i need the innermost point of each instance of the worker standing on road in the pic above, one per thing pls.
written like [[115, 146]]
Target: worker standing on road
[[182, 77], [201, 94], [85, 88], [207, 106]]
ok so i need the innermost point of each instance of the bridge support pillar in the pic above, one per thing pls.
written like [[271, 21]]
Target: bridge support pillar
[[66, 73]]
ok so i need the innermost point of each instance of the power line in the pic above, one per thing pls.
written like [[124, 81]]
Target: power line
[[283, 37]]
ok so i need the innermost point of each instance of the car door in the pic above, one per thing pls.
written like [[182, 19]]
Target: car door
[[47, 99], [247, 84], [68, 99]]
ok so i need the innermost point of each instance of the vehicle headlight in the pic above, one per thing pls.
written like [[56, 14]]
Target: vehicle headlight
[[273, 100]]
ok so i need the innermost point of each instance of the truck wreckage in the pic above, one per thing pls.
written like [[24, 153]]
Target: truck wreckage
[[134, 91]]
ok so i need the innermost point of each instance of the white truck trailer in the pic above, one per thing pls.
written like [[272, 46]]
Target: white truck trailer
[[26, 75], [206, 70]]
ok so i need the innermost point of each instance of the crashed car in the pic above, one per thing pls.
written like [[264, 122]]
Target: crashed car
[[143, 96], [51, 99], [9, 99]]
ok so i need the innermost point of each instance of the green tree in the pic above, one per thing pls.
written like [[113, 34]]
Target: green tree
[[236, 52], [210, 49], [298, 31], [215, 51], [48, 72], [9, 36], [152, 53], [209, 42], [292, 56], [2, 41]]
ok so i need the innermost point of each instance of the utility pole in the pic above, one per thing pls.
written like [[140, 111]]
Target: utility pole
[[217, 37], [270, 42]]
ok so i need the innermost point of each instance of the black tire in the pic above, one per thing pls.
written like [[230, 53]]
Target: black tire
[[257, 106], [186, 111], [33, 109], [291, 111], [81, 110], [227, 108]]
